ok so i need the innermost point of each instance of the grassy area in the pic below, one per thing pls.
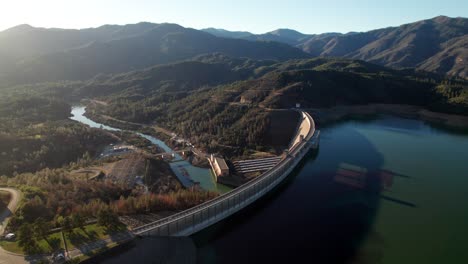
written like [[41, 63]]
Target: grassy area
[[11, 246], [84, 235], [54, 241]]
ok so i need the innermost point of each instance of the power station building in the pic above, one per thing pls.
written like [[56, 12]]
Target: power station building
[[219, 166]]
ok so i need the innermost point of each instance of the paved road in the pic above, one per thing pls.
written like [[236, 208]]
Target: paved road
[[15, 198], [6, 257]]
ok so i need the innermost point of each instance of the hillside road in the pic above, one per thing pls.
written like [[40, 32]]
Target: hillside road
[[11, 208]]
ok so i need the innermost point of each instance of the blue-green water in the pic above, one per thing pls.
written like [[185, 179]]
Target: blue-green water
[[421, 218], [203, 176], [312, 218]]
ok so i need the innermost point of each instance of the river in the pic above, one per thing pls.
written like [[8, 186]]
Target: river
[[203, 176], [422, 217]]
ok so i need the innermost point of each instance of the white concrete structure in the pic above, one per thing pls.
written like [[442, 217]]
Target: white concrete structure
[[204, 215]]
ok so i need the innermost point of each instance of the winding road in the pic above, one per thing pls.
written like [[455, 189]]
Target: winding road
[[6, 257], [11, 208]]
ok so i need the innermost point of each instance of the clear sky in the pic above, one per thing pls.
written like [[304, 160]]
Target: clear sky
[[257, 16]]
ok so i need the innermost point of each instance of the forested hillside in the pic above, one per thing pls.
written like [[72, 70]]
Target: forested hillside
[[82, 54], [438, 44], [35, 134], [233, 111], [229, 104]]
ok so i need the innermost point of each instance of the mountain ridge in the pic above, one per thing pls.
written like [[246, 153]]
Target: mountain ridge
[[114, 49], [419, 44], [29, 54]]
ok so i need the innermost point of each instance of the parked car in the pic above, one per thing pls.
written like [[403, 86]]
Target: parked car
[[10, 236], [59, 257]]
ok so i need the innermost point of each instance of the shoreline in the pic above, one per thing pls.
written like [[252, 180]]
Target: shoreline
[[337, 113], [146, 129]]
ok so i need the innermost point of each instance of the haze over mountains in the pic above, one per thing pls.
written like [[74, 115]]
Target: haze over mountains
[[220, 92], [439, 44], [29, 54]]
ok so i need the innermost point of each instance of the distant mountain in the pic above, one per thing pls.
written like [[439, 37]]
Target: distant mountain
[[287, 33], [24, 40], [437, 44], [288, 36], [29, 54], [55, 54], [227, 34], [452, 58]]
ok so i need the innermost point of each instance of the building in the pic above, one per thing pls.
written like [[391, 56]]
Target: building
[[219, 166], [245, 100]]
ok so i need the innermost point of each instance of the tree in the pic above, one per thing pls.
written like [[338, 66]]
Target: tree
[[107, 219], [67, 224], [33, 209], [78, 221], [26, 239], [15, 222], [58, 222], [41, 228]]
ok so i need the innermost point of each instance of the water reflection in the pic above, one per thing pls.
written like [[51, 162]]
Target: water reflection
[[311, 218], [416, 215]]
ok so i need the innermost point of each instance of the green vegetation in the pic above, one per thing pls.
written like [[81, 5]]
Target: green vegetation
[[220, 104], [32, 241], [455, 95], [236, 106], [40, 148], [51, 242], [225, 105], [53, 199], [86, 234], [67, 202], [235, 117], [35, 134], [53, 195]]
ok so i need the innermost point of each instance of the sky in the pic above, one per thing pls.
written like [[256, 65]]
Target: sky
[[256, 16]]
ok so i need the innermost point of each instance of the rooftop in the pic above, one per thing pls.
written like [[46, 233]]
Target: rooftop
[[221, 163]]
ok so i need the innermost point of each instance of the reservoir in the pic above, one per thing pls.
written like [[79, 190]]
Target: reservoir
[[410, 203]]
